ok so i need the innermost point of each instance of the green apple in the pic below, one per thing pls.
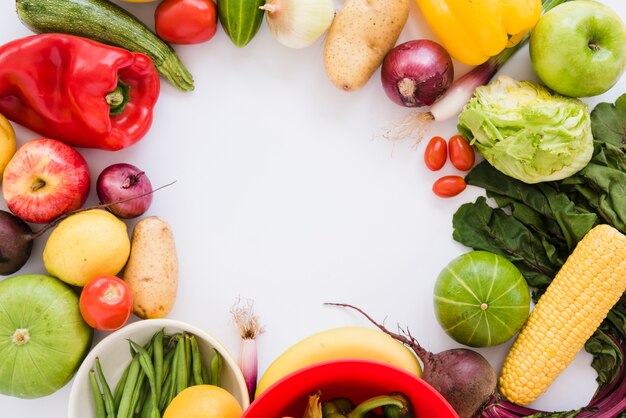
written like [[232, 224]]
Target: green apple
[[578, 49]]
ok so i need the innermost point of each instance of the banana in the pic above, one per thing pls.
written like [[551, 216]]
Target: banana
[[337, 343]]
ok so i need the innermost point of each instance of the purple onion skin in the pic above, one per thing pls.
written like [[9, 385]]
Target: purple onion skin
[[416, 73], [124, 181]]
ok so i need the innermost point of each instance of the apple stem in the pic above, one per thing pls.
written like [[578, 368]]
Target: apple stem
[[56, 221], [37, 184], [593, 45]]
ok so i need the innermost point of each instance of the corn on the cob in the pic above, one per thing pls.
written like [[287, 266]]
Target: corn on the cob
[[590, 282]]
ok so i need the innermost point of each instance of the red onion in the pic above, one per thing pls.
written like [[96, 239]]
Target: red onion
[[416, 73], [121, 182]]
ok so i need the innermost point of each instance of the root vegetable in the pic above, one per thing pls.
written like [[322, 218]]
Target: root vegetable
[[462, 376], [16, 243], [152, 268], [361, 34], [121, 182], [416, 73]]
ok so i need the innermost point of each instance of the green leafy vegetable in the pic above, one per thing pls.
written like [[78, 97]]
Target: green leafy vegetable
[[536, 226], [608, 122], [526, 131]]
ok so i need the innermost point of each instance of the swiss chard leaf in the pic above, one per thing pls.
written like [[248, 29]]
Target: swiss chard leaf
[[479, 226], [608, 122], [602, 185], [540, 207]]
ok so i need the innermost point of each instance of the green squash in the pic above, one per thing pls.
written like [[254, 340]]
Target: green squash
[[481, 299], [43, 338]]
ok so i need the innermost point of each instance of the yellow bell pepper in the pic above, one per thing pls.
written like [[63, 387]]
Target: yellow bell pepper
[[474, 30]]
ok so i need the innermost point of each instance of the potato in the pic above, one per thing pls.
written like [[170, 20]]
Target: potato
[[361, 34], [152, 268]]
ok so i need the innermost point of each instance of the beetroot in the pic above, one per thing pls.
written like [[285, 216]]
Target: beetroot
[[16, 243], [462, 376]]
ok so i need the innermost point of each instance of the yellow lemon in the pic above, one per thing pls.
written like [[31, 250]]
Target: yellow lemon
[[7, 143], [85, 245], [204, 401]]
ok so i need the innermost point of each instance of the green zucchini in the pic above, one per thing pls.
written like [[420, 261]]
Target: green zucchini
[[241, 19], [108, 23]]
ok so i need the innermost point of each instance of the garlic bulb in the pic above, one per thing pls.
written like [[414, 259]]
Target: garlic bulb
[[298, 23]]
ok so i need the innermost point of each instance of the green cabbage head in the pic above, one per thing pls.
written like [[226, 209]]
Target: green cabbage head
[[526, 131]]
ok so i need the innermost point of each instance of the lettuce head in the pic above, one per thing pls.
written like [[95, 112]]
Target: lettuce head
[[526, 131]]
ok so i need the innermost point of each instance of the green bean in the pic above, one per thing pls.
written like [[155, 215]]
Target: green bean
[[188, 360], [144, 394], [169, 390], [97, 396], [158, 361], [119, 388], [196, 362], [109, 402], [181, 366], [205, 373], [134, 372], [167, 364], [145, 360], [145, 412], [217, 363], [167, 385], [151, 412], [136, 393]]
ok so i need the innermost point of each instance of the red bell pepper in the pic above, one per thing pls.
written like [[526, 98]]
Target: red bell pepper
[[78, 91]]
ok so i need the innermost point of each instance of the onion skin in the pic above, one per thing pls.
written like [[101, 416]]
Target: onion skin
[[124, 181], [416, 73]]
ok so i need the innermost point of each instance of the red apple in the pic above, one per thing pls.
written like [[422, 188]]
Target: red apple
[[45, 179]]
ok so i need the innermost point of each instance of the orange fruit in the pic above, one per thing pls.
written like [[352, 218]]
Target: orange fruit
[[204, 401]]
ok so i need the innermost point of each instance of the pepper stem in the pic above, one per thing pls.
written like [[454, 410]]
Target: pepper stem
[[118, 98], [376, 402]]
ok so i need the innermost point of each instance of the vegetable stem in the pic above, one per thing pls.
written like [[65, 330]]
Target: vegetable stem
[[368, 405]]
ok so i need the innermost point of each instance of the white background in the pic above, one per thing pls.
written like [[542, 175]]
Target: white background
[[286, 194]]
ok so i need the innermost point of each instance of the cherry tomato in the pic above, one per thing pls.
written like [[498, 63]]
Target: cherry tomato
[[106, 303], [448, 186], [461, 153], [435, 153], [186, 21]]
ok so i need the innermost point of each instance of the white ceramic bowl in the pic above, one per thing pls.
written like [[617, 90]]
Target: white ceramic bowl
[[114, 355]]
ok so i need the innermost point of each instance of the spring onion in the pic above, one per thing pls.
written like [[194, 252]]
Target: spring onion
[[249, 329]]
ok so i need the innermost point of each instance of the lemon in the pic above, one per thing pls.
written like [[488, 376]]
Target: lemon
[[85, 245], [203, 401], [7, 143]]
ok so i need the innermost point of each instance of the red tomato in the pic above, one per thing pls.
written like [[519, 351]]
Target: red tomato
[[106, 303], [436, 153], [448, 186], [186, 21], [461, 153]]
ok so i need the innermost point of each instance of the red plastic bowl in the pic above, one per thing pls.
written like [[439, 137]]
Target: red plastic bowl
[[354, 379]]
